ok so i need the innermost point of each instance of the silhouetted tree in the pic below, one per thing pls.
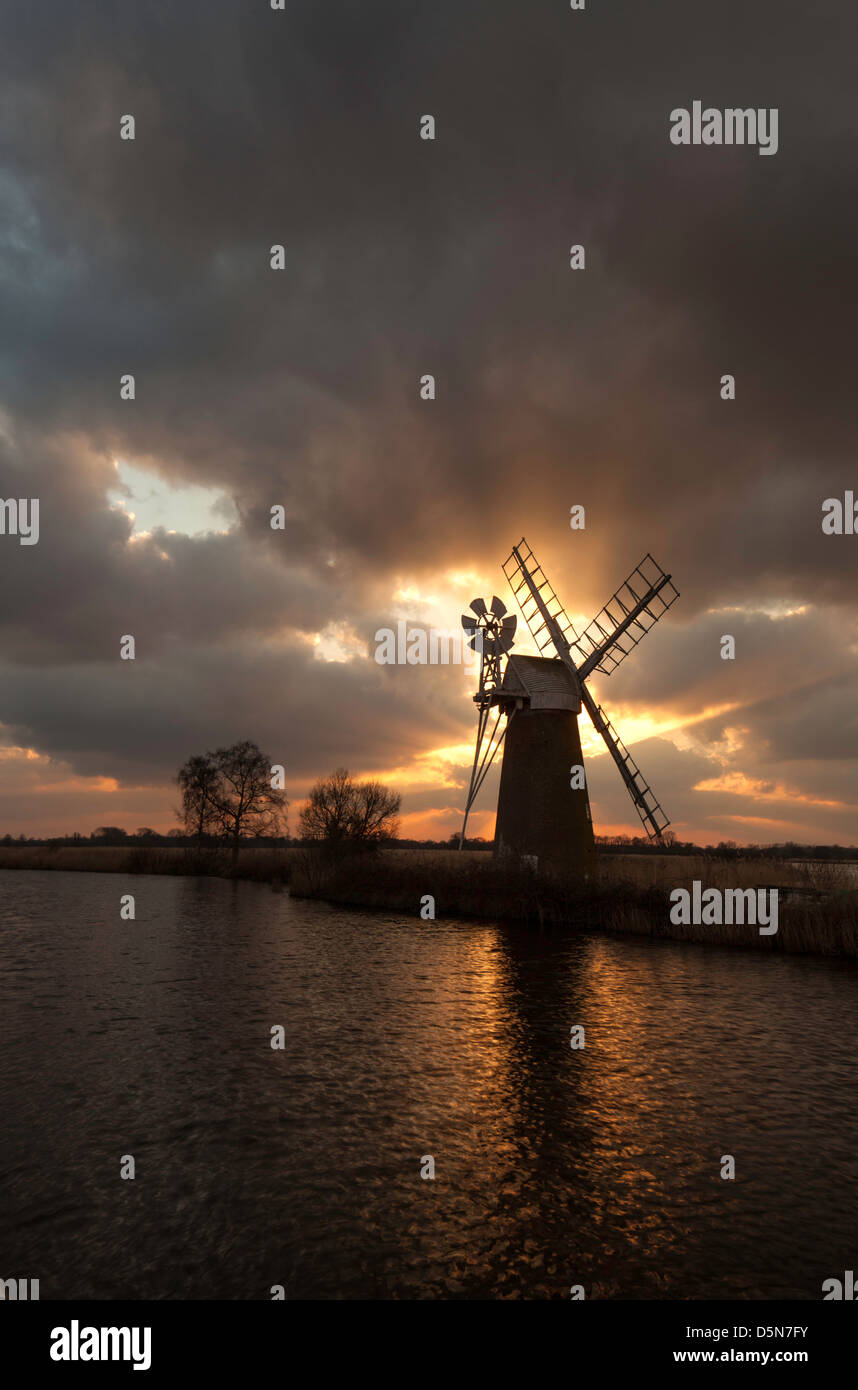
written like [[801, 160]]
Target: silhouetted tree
[[244, 800], [230, 793], [110, 834], [342, 812], [198, 781]]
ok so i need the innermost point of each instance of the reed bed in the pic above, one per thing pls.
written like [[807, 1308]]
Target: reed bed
[[827, 927], [263, 865], [818, 904]]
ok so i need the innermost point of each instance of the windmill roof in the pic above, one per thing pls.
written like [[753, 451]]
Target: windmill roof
[[545, 681]]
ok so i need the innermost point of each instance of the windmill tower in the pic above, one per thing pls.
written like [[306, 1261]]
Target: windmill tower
[[543, 804]]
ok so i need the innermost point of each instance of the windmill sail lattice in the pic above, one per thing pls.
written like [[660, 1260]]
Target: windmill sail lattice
[[525, 576], [628, 615], [652, 816]]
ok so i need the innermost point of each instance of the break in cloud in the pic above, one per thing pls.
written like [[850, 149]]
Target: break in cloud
[[553, 388]]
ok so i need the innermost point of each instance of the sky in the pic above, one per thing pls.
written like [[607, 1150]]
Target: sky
[[598, 387]]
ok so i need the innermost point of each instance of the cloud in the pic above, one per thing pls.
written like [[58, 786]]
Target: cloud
[[405, 257]]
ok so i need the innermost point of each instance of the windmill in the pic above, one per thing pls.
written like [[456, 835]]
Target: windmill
[[543, 808]]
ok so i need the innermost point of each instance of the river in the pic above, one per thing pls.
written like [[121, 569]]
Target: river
[[406, 1039]]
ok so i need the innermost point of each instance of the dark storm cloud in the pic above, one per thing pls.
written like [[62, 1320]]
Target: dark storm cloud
[[819, 720], [680, 663], [83, 585], [406, 257], [140, 720]]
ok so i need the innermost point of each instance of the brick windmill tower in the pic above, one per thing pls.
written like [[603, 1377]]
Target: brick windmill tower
[[543, 804]]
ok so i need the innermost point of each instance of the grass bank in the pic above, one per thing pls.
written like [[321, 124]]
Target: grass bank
[[818, 903], [264, 865]]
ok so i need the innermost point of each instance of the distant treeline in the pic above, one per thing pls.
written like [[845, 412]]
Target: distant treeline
[[113, 835], [725, 849], [639, 844]]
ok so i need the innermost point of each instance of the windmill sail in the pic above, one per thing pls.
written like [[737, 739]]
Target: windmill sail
[[652, 816], [628, 615], [525, 575]]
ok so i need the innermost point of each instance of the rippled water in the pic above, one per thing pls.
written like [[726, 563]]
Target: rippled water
[[406, 1038]]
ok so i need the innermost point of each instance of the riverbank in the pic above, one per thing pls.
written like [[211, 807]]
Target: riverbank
[[261, 865], [817, 901]]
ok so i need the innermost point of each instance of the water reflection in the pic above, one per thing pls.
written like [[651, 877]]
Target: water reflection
[[407, 1038]]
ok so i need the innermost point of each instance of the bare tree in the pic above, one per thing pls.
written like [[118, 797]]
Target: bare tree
[[326, 814], [198, 782], [243, 797], [375, 813], [230, 793], [340, 811]]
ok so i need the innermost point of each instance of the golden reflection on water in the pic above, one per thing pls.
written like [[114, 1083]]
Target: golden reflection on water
[[405, 1038], [598, 1145]]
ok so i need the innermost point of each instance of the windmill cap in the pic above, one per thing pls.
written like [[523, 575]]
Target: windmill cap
[[544, 682]]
